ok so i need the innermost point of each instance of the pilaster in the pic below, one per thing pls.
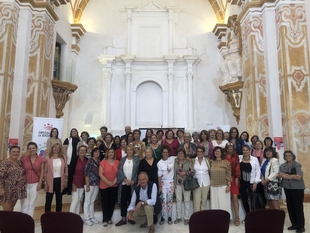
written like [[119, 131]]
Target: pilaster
[[10, 14], [293, 55]]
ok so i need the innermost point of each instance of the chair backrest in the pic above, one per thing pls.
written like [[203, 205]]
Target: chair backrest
[[61, 222], [211, 221], [15, 222], [266, 220]]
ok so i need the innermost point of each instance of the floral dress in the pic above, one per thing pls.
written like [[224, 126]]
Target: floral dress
[[13, 180]]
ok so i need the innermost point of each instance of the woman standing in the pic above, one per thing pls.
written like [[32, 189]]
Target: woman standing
[[55, 176], [149, 165], [195, 136], [129, 137], [258, 151], [233, 158], [70, 152], [78, 180], [212, 134], [249, 175], [235, 140], [156, 149], [166, 183], [138, 144], [219, 139], [244, 136], [205, 142], [12, 180], [294, 186], [182, 168], [108, 185], [220, 181], [201, 166], [172, 142], [189, 147], [160, 136], [180, 135], [120, 152], [34, 168], [91, 187], [107, 144], [91, 142], [117, 142], [269, 171], [147, 139], [84, 139], [52, 139], [127, 176]]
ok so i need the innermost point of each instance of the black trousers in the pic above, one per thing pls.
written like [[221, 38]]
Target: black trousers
[[108, 199], [49, 196], [125, 199], [245, 188], [295, 207]]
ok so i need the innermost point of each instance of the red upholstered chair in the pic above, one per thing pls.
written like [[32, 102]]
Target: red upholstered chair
[[15, 222], [265, 220], [211, 221], [61, 222]]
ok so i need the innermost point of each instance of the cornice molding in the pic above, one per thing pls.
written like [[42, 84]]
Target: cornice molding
[[250, 5], [42, 6], [61, 2], [77, 30]]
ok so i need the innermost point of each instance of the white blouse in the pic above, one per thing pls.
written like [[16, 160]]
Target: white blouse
[[127, 168], [56, 167], [202, 172], [165, 170]]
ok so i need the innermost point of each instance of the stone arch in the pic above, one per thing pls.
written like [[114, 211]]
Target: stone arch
[[217, 6]]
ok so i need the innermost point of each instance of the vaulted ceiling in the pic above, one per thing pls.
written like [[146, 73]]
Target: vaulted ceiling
[[218, 6]]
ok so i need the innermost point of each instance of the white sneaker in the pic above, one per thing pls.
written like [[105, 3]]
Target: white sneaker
[[88, 222], [93, 220]]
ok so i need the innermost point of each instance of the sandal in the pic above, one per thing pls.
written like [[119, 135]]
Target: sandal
[[237, 221]]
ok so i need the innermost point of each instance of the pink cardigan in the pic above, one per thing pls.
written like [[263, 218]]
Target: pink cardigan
[[49, 176]]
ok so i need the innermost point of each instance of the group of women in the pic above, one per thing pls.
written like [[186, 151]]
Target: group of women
[[83, 166]]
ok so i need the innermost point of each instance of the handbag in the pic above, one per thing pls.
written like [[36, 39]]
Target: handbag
[[190, 183], [273, 187], [42, 184], [256, 201]]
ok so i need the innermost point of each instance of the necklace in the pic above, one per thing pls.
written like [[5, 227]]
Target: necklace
[[245, 159]]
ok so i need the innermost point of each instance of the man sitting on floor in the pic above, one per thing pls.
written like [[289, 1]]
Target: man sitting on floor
[[143, 201]]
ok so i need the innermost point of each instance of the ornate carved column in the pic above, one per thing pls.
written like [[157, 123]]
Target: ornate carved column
[[171, 28], [129, 20], [9, 12], [233, 91], [106, 61], [128, 76], [170, 75], [294, 77], [254, 74], [61, 93], [191, 62], [31, 88], [231, 63]]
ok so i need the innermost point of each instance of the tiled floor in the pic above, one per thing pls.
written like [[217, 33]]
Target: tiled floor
[[174, 228]]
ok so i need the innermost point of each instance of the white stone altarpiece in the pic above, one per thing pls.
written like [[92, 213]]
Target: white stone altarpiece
[[149, 72]]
